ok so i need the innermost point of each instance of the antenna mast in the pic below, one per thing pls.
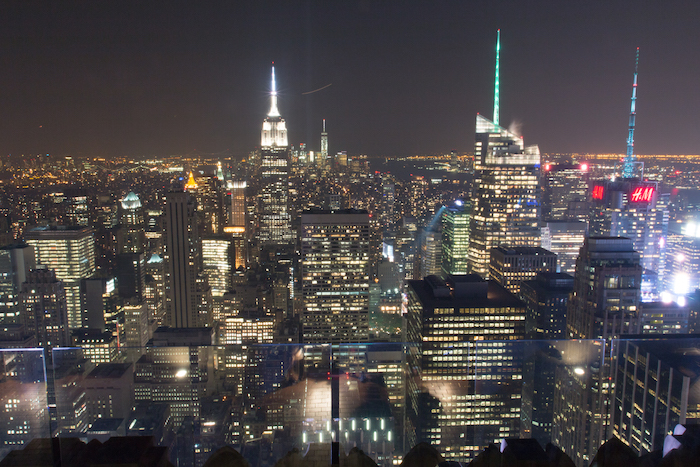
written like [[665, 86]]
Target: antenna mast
[[629, 163], [497, 82]]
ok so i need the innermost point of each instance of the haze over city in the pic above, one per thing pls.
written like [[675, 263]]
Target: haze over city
[[146, 79]]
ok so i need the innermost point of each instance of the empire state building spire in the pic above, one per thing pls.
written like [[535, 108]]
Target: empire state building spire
[[274, 112], [274, 130]]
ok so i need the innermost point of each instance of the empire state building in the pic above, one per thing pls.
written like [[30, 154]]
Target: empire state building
[[274, 220]]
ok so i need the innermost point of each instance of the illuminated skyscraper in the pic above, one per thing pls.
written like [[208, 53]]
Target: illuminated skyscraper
[[387, 215], [565, 239], [455, 238], [43, 308], [430, 259], [603, 305], [324, 145], [237, 223], [216, 259], [511, 266], [15, 263], [274, 220], [335, 276], [683, 259], [507, 196], [636, 210], [70, 251], [565, 192], [465, 361], [607, 289], [187, 293], [210, 211], [133, 237]]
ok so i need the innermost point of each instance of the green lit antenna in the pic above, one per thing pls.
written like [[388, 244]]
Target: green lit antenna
[[497, 83]]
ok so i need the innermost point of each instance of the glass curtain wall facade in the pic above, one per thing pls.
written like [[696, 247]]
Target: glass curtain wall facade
[[506, 206], [335, 276], [70, 251]]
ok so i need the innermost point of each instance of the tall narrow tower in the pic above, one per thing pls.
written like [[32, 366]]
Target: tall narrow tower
[[274, 220], [628, 167], [506, 207], [324, 144], [497, 82], [187, 293]]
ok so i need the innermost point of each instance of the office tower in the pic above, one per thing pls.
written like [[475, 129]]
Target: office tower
[[154, 291], [23, 398], [506, 207], [106, 212], [237, 223], [430, 258], [607, 289], [406, 246], [303, 157], [187, 293], [455, 237], [636, 210], [335, 276], [98, 346], [154, 231], [175, 370], [324, 146], [131, 275], [136, 329], [565, 239], [210, 210], [43, 311], [603, 305], [511, 266], [77, 207], [388, 199], [469, 371], [245, 328], [274, 219], [101, 304], [131, 241], [109, 391], [655, 389], [70, 251], [545, 297], [565, 192], [15, 263], [341, 159], [683, 259], [417, 199], [333, 202], [666, 317], [132, 233], [216, 259], [507, 197]]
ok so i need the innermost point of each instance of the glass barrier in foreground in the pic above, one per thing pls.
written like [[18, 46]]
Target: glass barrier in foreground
[[24, 399], [185, 403]]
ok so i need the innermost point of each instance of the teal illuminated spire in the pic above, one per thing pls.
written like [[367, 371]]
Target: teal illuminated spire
[[497, 82], [629, 163]]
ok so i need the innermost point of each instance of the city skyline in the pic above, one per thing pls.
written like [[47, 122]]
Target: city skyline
[[390, 80]]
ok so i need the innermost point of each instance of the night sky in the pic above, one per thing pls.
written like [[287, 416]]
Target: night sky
[[149, 78]]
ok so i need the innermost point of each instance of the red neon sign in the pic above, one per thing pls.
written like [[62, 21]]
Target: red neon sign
[[598, 191], [642, 194]]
